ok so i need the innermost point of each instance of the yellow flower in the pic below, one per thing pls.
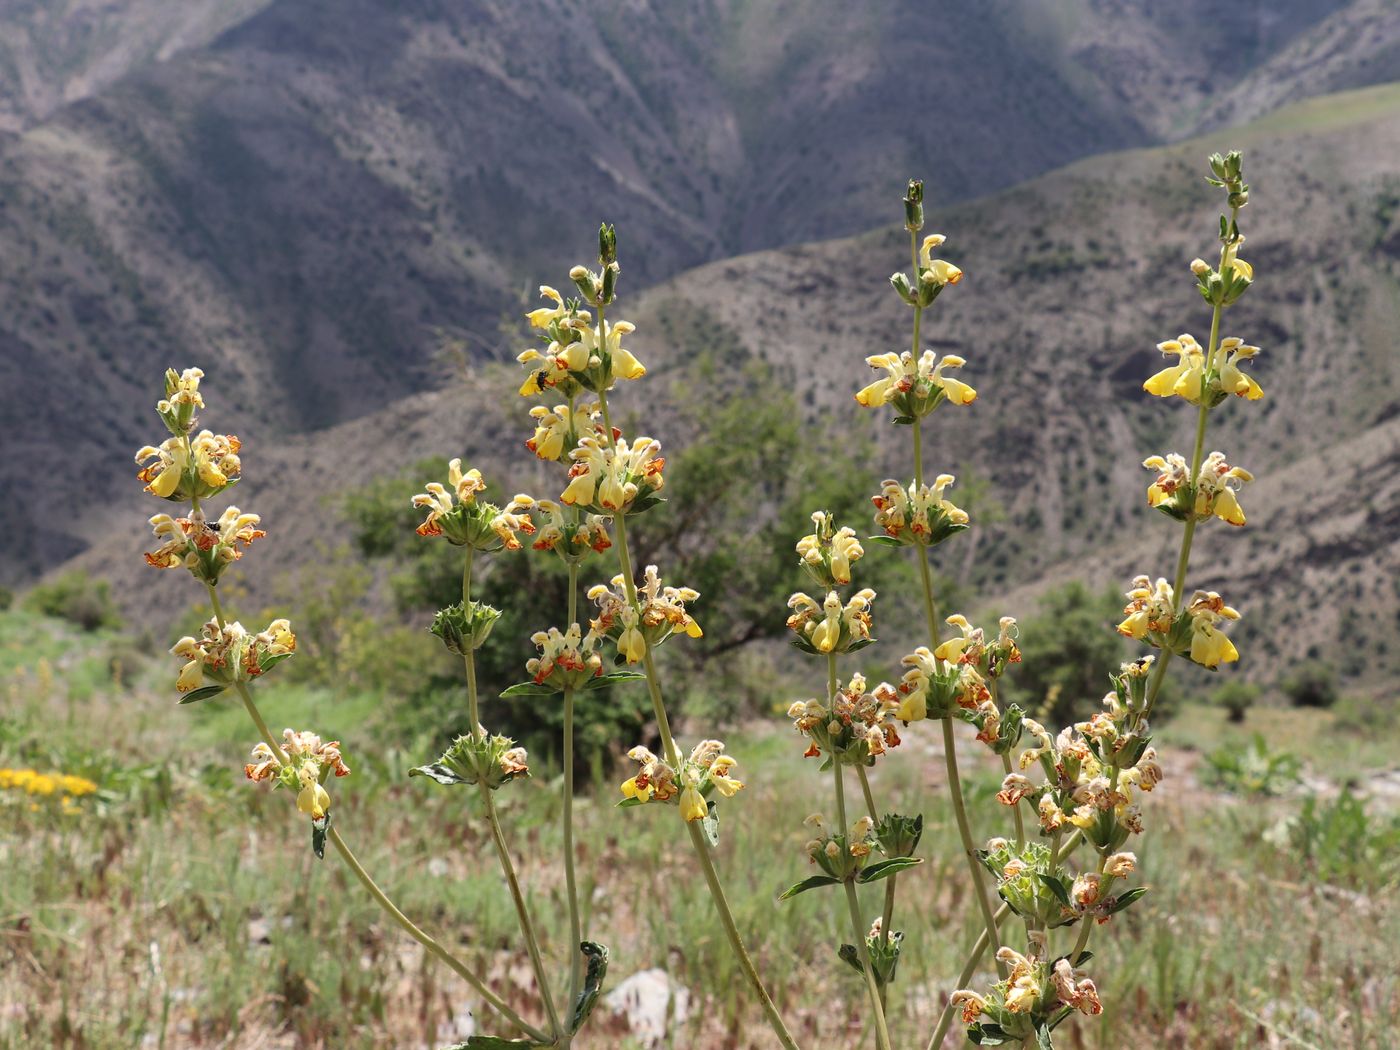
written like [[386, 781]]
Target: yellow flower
[[1209, 645], [631, 645], [693, 806], [1215, 493], [1175, 379], [546, 315], [1232, 380], [641, 792], [313, 799], [719, 776], [936, 271], [915, 387]]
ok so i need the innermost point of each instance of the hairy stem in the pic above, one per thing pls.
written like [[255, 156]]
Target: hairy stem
[[673, 757], [432, 946], [570, 876], [522, 912]]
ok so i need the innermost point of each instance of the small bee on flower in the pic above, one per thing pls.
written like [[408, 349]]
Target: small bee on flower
[[455, 513], [205, 549], [919, 515]]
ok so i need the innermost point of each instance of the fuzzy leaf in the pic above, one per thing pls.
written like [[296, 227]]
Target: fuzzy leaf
[[710, 825], [885, 868], [987, 1035], [1123, 900], [627, 803], [848, 954], [1055, 886], [597, 955], [529, 689], [1042, 1039], [613, 678], [857, 646], [884, 541], [207, 692], [812, 882], [269, 662], [491, 1042], [437, 771]]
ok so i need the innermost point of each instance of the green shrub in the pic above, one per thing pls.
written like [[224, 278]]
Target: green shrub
[[78, 598], [1236, 698], [1339, 842], [1312, 684], [1252, 769]]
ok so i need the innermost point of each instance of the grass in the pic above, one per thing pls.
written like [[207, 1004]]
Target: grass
[[182, 907]]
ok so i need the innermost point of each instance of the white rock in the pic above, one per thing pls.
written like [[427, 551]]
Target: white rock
[[652, 1004]]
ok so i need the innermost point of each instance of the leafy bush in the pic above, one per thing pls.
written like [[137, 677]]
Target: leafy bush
[[1313, 684], [1068, 654], [1251, 770], [1236, 698], [1339, 842], [78, 598], [7, 598]]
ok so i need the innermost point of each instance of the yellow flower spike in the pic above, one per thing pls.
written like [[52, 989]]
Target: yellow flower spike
[[693, 805]]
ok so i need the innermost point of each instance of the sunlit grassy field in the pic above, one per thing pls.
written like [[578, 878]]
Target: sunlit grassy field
[[180, 906]]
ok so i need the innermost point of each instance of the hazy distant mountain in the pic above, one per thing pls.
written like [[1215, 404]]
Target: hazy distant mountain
[[305, 201], [1070, 281]]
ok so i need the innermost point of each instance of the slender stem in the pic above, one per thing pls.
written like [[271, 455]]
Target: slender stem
[[869, 797], [726, 918], [469, 656], [570, 877], [979, 948], [379, 895], [1006, 768], [673, 756], [965, 830], [882, 1032], [429, 943], [521, 911]]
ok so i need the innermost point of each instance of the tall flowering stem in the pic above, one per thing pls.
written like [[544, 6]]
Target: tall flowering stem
[[570, 859], [192, 468]]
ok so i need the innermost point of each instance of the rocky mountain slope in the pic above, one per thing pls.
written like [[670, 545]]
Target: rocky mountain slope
[[1070, 281], [310, 200]]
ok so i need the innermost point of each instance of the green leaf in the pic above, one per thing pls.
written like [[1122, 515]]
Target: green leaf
[[809, 883], [1055, 886], [710, 825], [318, 836], [857, 646], [848, 954], [903, 421], [885, 868], [492, 1042], [987, 1035], [883, 541], [269, 662], [1123, 900], [529, 689], [613, 678], [207, 692], [437, 771], [597, 956], [627, 803], [1042, 1038]]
